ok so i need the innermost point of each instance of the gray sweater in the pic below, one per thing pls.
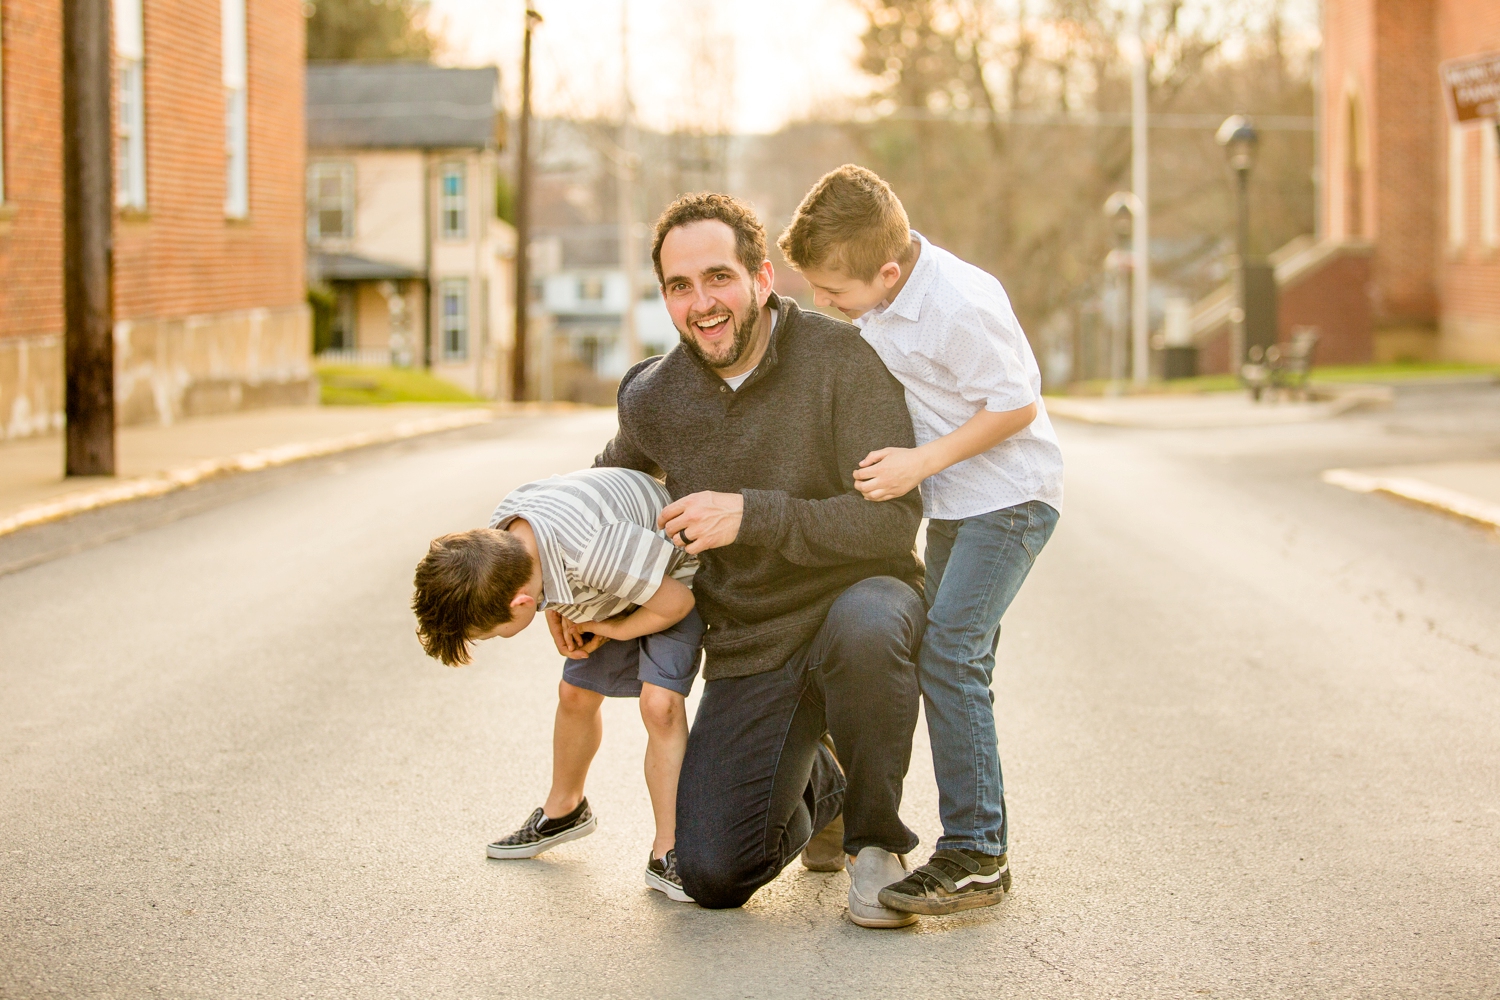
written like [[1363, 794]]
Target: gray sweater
[[788, 441]]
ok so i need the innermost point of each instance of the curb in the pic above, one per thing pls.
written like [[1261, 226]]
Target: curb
[[250, 461], [1439, 498]]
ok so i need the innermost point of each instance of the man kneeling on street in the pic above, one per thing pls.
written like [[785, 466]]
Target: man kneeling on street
[[757, 421]]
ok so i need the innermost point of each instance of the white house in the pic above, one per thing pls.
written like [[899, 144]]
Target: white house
[[401, 225]]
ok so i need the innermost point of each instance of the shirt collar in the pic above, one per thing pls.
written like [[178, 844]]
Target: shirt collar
[[908, 304], [555, 589]]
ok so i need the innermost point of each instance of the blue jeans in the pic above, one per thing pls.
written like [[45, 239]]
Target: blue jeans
[[975, 567], [756, 784]]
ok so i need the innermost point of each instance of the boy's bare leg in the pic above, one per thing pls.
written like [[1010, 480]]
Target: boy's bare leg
[[575, 740], [665, 714]]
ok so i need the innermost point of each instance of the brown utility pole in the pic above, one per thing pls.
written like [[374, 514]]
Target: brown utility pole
[[523, 214], [88, 204]]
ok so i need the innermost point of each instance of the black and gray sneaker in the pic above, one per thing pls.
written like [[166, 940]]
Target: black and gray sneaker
[[953, 880], [661, 875], [542, 834]]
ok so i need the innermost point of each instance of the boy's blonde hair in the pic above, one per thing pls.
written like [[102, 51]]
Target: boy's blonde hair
[[851, 221]]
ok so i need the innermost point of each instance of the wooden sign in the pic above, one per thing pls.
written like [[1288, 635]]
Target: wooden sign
[[1472, 87]]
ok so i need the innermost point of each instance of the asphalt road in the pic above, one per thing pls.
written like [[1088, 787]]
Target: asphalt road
[[1251, 727]]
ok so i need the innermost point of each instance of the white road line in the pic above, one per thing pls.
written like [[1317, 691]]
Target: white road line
[[1418, 491]]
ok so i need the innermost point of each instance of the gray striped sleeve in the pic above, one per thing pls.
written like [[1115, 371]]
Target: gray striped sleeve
[[625, 560]]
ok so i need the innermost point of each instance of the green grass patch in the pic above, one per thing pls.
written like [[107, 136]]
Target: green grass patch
[[359, 385], [1401, 371]]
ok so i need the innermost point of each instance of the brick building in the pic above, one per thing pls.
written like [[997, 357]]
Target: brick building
[[209, 286], [1408, 267], [1400, 175]]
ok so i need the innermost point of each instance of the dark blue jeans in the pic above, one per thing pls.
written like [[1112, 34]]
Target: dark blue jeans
[[756, 783], [975, 567]]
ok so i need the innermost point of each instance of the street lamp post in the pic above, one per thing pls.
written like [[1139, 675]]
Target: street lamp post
[[1254, 315], [523, 214], [1122, 212]]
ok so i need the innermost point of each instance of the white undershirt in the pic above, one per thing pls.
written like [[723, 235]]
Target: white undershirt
[[735, 381]]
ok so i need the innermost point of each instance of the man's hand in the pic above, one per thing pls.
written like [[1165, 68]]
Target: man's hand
[[702, 521], [569, 638], [889, 473]]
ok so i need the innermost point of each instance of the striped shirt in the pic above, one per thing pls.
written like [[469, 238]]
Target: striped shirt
[[601, 551]]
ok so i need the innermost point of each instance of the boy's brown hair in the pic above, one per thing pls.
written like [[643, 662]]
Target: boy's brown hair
[[851, 221], [465, 585], [749, 234]]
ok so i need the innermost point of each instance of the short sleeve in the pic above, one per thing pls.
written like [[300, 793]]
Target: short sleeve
[[985, 367], [626, 560]]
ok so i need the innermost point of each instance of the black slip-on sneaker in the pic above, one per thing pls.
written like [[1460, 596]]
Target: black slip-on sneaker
[[540, 834], [661, 875], [953, 880]]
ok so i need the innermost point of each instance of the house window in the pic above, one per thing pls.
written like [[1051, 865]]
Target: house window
[[330, 201], [455, 202], [236, 138], [130, 188], [1489, 180], [454, 302], [1458, 155]]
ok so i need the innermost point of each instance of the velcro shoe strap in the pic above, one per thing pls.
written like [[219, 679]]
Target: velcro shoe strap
[[939, 876], [959, 858]]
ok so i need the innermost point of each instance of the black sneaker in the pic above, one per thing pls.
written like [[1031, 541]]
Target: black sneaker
[[542, 834], [661, 875], [953, 880]]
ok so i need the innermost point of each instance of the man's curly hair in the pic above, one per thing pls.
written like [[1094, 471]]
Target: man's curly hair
[[749, 234]]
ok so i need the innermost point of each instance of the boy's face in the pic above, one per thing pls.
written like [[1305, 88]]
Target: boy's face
[[850, 296], [713, 300]]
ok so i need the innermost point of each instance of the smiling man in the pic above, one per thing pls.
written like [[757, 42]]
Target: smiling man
[[757, 421]]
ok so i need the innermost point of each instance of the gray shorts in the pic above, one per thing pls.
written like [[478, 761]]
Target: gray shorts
[[617, 669]]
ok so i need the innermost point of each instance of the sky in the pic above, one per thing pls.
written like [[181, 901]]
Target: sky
[[745, 65], [752, 65]]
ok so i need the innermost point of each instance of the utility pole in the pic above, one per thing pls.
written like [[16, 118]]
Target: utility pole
[[1140, 183], [88, 201], [523, 214], [625, 187]]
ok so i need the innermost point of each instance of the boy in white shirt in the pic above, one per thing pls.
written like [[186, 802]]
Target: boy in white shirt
[[991, 475]]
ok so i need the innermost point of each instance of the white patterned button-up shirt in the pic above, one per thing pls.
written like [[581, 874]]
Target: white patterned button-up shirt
[[954, 343]]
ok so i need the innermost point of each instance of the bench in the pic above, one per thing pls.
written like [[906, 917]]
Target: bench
[[1281, 368]]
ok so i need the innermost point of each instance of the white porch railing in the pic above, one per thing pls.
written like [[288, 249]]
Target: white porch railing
[[372, 356]]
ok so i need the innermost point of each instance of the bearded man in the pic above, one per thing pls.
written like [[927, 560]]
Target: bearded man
[[757, 422]]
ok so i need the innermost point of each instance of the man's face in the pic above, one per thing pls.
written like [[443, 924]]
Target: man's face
[[714, 302], [850, 296]]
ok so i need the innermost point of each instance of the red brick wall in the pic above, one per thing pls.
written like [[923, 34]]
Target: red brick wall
[[1469, 276], [1335, 299], [31, 240], [185, 257], [1407, 133]]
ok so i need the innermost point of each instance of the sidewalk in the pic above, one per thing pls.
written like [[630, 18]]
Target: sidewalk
[[152, 460], [1467, 490], [1206, 410]]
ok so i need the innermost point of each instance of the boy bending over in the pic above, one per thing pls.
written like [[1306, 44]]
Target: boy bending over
[[585, 549], [991, 475]]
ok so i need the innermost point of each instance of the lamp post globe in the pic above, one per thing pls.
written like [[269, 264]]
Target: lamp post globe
[[1238, 137]]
